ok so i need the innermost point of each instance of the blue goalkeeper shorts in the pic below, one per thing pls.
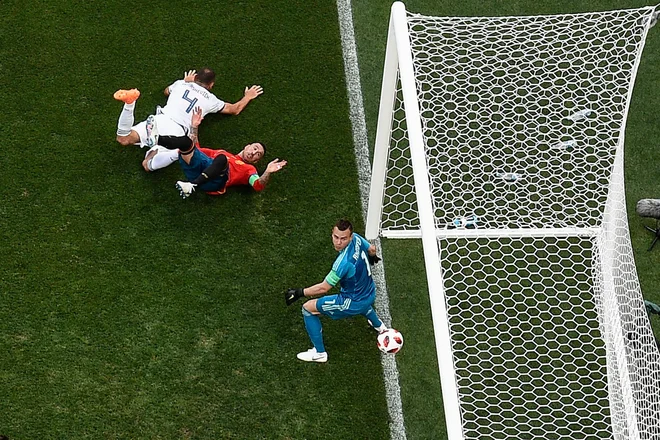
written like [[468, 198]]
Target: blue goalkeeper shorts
[[198, 163], [342, 306]]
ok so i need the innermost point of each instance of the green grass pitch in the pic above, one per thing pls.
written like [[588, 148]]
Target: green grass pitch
[[127, 313]]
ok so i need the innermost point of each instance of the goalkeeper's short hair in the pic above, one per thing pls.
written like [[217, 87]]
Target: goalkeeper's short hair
[[343, 224]]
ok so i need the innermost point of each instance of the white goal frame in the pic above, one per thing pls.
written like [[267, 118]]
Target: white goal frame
[[398, 57], [399, 76]]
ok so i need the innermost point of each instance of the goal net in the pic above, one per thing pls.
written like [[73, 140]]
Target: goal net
[[500, 145]]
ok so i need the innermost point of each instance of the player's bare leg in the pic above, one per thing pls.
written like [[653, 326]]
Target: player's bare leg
[[150, 155], [132, 139]]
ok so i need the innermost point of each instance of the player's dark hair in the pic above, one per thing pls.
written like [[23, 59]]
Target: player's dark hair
[[205, 76], [344, 224]]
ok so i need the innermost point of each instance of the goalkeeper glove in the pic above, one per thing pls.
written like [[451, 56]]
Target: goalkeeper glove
[[373, 259], [292, 295]]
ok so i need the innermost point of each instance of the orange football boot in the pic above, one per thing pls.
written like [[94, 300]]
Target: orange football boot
[[127, 96]]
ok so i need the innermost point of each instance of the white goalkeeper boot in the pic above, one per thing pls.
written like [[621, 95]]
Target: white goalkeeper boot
[[312, 355], [185, 188]]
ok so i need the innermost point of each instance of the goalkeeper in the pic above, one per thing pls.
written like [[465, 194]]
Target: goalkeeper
[[352, 271]]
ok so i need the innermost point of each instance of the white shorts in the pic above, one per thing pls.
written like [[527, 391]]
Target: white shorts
[[164, 126]]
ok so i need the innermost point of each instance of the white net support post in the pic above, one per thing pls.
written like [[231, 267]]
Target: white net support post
[[399, 56], [382, 143], [500, 144]]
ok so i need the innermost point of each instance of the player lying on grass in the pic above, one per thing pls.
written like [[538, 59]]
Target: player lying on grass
[[194, 90], [213, 171], [356, 297]]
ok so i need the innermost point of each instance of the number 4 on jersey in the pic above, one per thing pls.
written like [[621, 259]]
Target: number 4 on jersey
[[191, 101]]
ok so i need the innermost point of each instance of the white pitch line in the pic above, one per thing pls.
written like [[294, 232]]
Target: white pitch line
[[360, 141]]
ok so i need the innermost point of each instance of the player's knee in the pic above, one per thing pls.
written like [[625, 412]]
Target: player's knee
[[124, 140], [145, 165], [220, 161], [308, 309]]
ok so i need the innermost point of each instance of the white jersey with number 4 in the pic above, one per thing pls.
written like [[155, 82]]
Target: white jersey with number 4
[[186, 96]]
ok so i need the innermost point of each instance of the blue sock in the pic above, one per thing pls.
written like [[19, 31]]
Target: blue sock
[[314, 330], [371, 316]]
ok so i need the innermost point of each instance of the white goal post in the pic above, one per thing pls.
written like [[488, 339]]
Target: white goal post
[[500, 144]]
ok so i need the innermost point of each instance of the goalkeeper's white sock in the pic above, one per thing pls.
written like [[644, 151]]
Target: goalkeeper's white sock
[[126, 120]]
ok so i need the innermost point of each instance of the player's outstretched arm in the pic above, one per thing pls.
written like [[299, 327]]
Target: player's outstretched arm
[[371, 255], [373, 259], [195, 121], [292, 295], [196, 118], [274, 166], [237, 107], [252, 92], [189, 76]]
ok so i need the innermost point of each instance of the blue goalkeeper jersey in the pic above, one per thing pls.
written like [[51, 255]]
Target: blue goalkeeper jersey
[[351, 269]]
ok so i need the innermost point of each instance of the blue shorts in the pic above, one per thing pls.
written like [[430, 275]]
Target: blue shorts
[[198, 163], [340, 306]]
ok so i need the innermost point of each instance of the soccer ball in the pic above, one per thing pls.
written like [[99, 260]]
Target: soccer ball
[[390, 341]]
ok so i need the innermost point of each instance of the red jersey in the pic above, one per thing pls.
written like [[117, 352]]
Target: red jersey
[[240, 173]]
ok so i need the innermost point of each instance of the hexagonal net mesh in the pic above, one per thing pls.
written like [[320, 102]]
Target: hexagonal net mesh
[[529, 358], [399, 210], [529, 341], [522, 121], [502, 103]]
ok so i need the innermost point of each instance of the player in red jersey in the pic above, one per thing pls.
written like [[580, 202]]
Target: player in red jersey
[[241, 169], [213, 171]]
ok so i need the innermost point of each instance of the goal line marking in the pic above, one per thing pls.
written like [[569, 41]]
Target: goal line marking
[[360, 142]]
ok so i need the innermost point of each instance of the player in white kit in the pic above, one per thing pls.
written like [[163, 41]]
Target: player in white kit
[[194, 90]]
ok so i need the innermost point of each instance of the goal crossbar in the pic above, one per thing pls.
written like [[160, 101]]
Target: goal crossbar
[[498, 233]]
